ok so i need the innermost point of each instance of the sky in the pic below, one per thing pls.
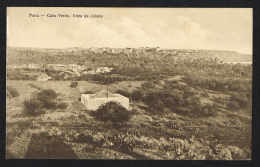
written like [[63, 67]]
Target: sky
[[228, 29]]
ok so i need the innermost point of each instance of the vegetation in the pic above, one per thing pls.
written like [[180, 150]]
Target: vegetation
[[74, 84], [123, 92], [12, 92], [62, 105], [112, 112], [184, 108], [33, 108], [239, 101], [45, 99], [137, 95], [18, 75]]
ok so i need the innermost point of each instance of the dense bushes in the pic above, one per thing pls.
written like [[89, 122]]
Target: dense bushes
[[12, 92], [32, 108], [46, 96], [239, 100], [45, 99], [112, 112], [208, 110], [169, 148], [74, 84], [62, 105], [180, 99], [147, 85], [220, 84], [17, 75], [136, 95]]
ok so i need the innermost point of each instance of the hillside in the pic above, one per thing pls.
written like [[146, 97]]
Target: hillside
[[230, 56]]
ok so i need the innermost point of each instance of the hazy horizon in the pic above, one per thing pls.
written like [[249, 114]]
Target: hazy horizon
[[221, 29]]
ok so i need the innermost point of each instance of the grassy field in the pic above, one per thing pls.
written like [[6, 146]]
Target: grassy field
[[231, 130]]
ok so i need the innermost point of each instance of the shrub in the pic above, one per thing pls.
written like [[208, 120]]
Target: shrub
[[123, 92], [34, 86], [194, 103], [112, 112], [74, 84], [46, 97], [50, 105], [204, 94], [189, 92], [239, 100], [25, 77], [208, 110], [158, 105], [62, 105], [46, 94], [137, 95], [233, 105], [157, 81], [32, 108], [147, 85], [13, 92]]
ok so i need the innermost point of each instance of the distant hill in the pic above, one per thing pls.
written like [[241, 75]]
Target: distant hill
[[230, 56]]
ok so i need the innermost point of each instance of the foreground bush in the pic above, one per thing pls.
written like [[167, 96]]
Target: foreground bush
[[209, 110], [44, 99], [12, 91], [172, 147], [239, 101], [62, 105], [47, 97], [112, 112], [137, 95], [32, 108]]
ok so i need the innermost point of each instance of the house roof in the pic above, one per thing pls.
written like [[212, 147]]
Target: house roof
[[102, 94], [43, 76]]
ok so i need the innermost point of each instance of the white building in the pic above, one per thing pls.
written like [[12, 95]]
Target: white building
[[93, 101], [34, 66], [103, 69]]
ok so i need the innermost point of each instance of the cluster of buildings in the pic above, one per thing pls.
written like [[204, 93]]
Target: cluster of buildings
[[121, 50], [72, 49], [62, 67], [102, 50]]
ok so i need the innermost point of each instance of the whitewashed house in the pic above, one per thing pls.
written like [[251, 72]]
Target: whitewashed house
[[93, 101]]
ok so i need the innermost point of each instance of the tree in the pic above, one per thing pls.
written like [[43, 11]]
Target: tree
[[47, 96], [112, 112], [32, 108], [74, 84], [137, 95]]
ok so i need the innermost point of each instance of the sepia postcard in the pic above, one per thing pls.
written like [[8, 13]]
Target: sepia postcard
[[129, 83]]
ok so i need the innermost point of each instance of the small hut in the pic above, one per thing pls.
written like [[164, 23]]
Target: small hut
[[43, 77]]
